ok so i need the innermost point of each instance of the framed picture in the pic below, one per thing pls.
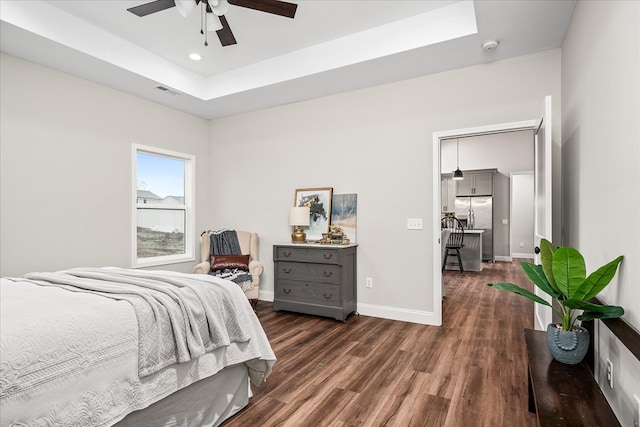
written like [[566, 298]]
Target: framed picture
[[344, 214], [318, 200]]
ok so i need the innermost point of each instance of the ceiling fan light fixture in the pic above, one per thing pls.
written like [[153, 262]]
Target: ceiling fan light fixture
[[213, 22], [220, 8], [211, 8], [185, 7]]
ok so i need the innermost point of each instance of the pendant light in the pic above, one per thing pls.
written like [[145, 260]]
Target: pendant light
[[457, 174]]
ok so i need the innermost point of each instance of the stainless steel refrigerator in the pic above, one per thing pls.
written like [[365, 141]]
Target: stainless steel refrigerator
[[476, 212]]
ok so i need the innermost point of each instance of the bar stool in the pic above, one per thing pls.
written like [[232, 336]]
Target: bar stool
[[455, 241]]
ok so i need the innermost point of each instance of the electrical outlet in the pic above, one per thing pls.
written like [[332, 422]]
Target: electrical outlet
[[636, 411], [610, 373], [369, 282], [522, 244]]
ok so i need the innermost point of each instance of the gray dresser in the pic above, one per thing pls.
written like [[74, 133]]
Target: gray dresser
[[315, 279]]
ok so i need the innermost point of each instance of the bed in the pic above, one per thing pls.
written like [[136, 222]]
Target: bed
[[102, 347]]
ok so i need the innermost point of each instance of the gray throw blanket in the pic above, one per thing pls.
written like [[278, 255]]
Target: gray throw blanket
[[179, 318], [225, 242]]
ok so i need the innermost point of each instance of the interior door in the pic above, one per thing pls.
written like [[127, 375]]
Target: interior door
[[542, 220]]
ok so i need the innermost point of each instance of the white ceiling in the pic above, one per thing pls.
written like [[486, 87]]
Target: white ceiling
[[330, 46]]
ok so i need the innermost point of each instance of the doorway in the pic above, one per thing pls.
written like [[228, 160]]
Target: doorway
[[438, 139], [497, 155]]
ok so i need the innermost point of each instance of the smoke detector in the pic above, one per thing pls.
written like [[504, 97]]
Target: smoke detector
[[490, 45]]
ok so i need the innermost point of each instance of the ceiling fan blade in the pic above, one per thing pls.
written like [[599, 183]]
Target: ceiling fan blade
[[153, 7], [225, 35], [275, 7]]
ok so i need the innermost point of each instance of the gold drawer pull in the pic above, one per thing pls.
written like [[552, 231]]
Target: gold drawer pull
[[327, 255], [327, 296], [287, 254], [328, 273], [286, 270], [286, 291]]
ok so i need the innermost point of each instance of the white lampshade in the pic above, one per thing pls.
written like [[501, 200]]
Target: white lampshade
[[299, 215], [185, 7]]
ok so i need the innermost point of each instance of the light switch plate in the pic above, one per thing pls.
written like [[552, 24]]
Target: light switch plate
[[414, 223]]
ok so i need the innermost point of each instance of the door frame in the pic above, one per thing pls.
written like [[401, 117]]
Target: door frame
[[437, 138], [543, 196]]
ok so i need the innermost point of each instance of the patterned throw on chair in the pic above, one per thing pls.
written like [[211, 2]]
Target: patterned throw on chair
[[227, 260]]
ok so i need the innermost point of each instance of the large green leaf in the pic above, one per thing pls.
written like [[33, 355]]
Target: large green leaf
[[546, 257], [597, 280], [612, 312], [536, 274], [594, 311], [520, 291], [569, 270]]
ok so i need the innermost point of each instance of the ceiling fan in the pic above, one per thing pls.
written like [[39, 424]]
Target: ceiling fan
[[213, 11]]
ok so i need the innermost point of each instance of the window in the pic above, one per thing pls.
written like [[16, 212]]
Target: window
[[163, 200]]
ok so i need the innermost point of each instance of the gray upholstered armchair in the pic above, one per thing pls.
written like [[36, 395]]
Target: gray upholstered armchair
[[249, 246]]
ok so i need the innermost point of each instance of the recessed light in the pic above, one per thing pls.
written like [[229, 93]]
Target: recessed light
[[195, 57]]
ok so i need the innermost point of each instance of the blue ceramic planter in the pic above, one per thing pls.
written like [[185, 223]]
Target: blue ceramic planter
[[567, 346]]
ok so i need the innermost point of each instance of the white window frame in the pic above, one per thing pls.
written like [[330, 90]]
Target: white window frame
[[188, 207]]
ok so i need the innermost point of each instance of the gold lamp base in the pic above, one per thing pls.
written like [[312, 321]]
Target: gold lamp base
[[298, 235]]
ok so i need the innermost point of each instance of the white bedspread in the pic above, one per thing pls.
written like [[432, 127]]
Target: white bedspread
[[71, 358]]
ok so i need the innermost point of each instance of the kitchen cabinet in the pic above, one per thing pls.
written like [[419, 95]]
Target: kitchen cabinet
[[447, 193], [475, 184]]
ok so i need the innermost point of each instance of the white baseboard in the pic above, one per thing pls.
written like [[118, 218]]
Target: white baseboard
[[501, 258], [522, 255], [401, 314], [383, 312], [266, 296]]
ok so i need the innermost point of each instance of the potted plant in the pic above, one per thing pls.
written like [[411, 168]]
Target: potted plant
[[562, 275]]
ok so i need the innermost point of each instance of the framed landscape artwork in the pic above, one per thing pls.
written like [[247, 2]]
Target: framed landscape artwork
[[318, 200], [344, 214]]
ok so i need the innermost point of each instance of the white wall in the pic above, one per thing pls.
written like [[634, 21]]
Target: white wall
[[65, 172], [522, 208], [501, 211], [376, 143], [508, 152], [601, 154]]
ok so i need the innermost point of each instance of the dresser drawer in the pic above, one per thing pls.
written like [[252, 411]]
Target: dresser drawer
[[326, 273], [307, 292], [317, 255]]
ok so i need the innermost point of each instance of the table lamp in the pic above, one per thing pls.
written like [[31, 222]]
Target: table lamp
[[299, 216]]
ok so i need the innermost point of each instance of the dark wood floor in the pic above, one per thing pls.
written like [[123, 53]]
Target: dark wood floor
[[374, 372]]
